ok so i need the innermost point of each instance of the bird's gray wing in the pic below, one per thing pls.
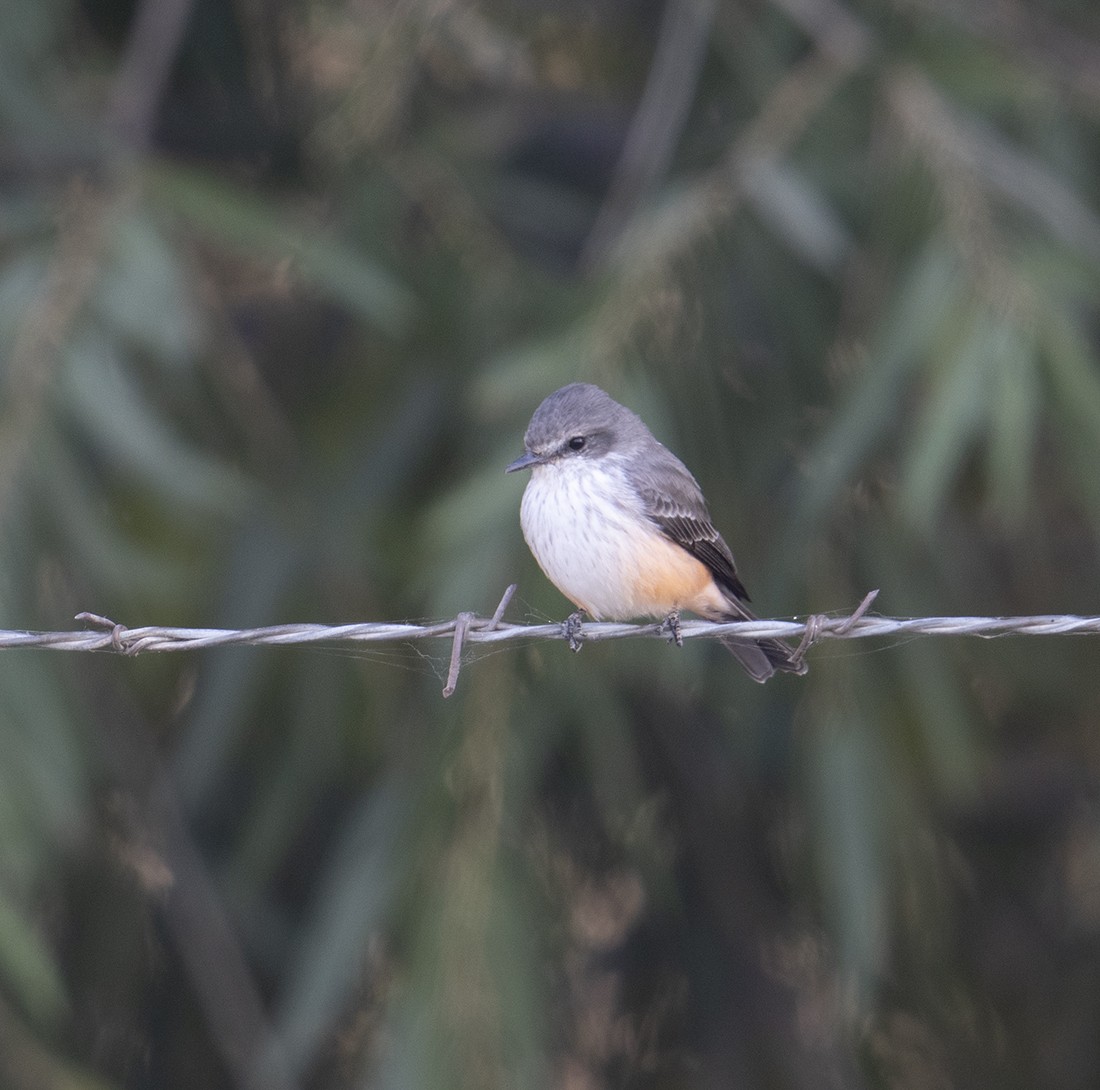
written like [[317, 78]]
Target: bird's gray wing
[[674, 502]]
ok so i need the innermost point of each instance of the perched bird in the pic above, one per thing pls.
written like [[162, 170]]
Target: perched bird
[[621, 527]]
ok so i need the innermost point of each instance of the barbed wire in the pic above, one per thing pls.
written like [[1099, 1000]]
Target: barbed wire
[[104, 634]]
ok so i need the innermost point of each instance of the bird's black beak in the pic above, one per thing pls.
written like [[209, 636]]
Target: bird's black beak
[[525, 461]]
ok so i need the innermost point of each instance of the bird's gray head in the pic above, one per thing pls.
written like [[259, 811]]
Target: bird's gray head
[[579, 421]]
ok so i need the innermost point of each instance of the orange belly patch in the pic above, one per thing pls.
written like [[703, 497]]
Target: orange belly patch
[[667, 577]]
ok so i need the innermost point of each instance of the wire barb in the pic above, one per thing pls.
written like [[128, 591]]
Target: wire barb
[[498, 615], [846, 626], [116, 630], [462, 626], [463, 623], [816, 624]]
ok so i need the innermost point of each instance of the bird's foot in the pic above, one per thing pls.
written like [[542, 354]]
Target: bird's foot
[[572, 629], [671, 624]]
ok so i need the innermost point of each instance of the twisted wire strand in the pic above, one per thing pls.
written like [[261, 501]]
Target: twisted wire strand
[[108, 636]]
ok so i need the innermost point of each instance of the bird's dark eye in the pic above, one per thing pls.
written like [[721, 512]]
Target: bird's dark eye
[[577, 442]]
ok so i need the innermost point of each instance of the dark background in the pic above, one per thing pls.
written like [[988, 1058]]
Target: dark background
[[280, 285]]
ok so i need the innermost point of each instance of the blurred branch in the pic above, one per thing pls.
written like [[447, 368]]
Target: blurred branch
[[45, 324], [208, 945], [957, 145], [1063, 54], [656, 126], [156, 32], [159, 846], [841, 45]]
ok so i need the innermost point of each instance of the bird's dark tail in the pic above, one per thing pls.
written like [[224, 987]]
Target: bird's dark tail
[[762, 658]]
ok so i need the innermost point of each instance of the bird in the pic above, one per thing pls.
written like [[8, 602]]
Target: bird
[[620, 526]]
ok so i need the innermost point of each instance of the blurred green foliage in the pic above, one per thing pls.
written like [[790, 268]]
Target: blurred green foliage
[[280, 285]]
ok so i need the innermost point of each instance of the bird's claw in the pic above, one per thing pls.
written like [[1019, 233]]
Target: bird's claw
[[572, 630], [671, 624]]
